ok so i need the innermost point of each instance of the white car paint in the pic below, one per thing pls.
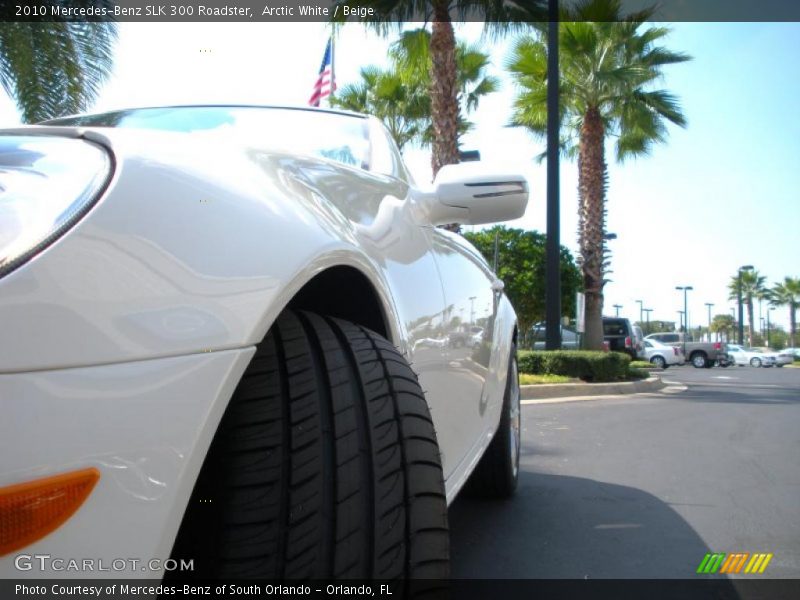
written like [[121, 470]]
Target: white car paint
[[670, 354], [744, 356], [124, 339]]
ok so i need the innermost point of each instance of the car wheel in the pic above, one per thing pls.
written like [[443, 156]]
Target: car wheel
[[325, 465], [755, 362], [699, 360], [659, 362], [497, 472]]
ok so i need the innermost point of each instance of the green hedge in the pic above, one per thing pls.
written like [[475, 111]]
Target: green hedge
[[641, 364], [583, 364]]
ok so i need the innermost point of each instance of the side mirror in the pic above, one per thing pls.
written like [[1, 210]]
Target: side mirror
[[471, 195]]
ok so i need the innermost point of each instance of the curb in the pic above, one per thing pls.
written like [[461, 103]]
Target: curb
[[545, 391]]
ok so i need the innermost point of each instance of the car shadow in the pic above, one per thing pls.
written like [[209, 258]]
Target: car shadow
[[572, 528]]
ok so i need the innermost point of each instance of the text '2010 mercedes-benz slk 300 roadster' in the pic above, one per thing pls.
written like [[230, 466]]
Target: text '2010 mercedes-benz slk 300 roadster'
[[230, 334]]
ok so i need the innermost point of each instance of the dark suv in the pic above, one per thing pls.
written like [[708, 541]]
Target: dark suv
[[622, 336]]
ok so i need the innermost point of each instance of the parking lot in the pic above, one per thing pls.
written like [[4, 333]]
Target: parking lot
[[644, 486]]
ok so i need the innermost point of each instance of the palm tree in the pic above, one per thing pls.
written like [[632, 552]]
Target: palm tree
[[53, 69], [411, 54], [607, 73], [399, 96], [497, 14], [402, 106], [788, 294], [751, 285], [724, 324]]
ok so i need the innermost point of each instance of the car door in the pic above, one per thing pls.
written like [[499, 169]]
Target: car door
[[470, 302]]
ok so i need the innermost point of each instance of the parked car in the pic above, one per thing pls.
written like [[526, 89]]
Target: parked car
[[795, 352], [754, 357], [569, 337], [209, 319], [623, 337], [782, 357], [662, 355], [638, 342], [459, 338], [699, 354]]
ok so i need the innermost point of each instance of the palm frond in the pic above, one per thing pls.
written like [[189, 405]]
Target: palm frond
[[53, 69]]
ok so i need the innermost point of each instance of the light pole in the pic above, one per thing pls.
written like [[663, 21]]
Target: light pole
[[641, 310], [739, 299], [685, 289], [647, 312], [770, 309], [618, 306], [552, 293], [472, 310], [680, 320], [709, 305]]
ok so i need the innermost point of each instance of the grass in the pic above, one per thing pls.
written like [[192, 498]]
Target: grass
[[528, 379]]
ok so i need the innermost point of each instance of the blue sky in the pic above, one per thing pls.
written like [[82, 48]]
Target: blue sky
[[722, 193]]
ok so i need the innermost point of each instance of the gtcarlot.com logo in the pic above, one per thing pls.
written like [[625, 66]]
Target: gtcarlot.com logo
[[46, 562], [734, 563]]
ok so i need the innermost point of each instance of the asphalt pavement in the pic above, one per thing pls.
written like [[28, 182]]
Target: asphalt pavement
[[643, 486]]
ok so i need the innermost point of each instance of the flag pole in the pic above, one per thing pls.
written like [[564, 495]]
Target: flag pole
[[333, 71]]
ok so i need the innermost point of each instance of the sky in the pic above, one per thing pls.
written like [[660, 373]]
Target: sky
[[721, 193]]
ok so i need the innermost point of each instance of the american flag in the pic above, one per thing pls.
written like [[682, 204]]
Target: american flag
[[325, 84]]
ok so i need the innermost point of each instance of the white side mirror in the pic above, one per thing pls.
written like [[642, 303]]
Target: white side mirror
[[468, 194]]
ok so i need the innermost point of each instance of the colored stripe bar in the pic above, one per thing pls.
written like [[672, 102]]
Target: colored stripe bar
[[711, 563]]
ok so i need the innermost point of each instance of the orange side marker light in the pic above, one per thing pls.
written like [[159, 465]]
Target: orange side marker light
[[31, 510]]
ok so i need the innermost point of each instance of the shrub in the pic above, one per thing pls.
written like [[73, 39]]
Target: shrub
[[641, 364], [634, 373], [583, 364]]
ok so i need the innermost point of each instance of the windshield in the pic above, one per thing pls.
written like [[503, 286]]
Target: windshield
[[340, 137]]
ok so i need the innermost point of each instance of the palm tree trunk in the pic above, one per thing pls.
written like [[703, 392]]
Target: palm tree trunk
[[750, 318], [792, 323], [444, 103], [591, 222]]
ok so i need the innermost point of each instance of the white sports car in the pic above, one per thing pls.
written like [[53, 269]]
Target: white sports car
[[215, 329]]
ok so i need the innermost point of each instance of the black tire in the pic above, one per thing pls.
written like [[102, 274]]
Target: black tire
[[659, 362], [699, 360], [755, 362], [497, 473], [324, 466]]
